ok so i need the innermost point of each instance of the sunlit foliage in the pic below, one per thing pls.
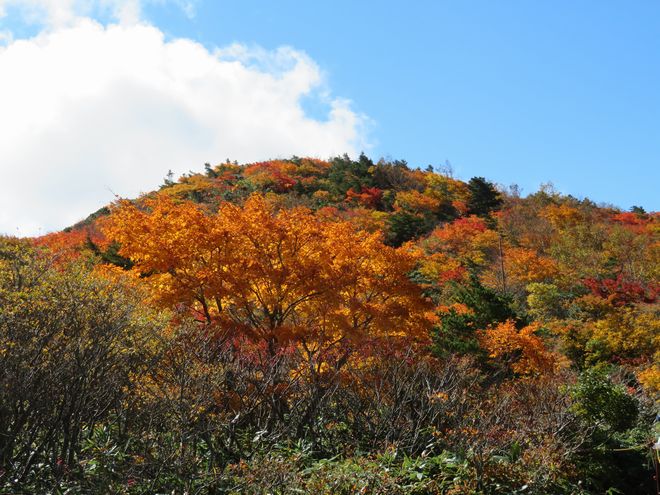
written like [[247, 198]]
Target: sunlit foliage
[[339, 326]]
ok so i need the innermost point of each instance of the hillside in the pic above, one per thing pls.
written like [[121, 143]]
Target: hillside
[[341, 326]]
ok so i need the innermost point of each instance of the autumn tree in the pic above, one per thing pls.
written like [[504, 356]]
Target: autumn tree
[[282, 279]]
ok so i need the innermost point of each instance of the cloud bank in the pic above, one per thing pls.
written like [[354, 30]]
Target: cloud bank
[[90, 110]]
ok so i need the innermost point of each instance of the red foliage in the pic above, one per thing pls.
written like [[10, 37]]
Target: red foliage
[[620, 292], [275, 172], [461, 228], [70, 244], [328, 213], [368, 196], [638, 223], [457, 274], [628, 218]]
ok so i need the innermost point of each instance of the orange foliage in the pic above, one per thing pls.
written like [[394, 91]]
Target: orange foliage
[[365, 219], [460, 206], [282, 175], [467, 238], [522, 350], [416, 202], [461, 229], [561, 216], [275, 276], [440, 268], [277, 174], [632, 219], [70, 245], [525, 266], [368, 196]]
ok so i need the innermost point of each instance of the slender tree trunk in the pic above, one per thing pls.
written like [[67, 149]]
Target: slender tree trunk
[[502, 264]]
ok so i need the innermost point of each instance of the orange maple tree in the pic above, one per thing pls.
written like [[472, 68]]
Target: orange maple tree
[[281, 278]]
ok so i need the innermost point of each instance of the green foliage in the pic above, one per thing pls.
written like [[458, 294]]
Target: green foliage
[[394, 176], [345, 174], [545, 301], [457, 330], [600, 402], [208, 170], [404, 226], [614, 457], [484, 198], [110, 255]]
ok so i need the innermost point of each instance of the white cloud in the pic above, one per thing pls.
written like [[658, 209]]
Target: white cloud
[[186, 6], [89, 108], [6, 37], [58, 13]]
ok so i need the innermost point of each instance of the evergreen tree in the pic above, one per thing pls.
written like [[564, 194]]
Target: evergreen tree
[[483, 198]]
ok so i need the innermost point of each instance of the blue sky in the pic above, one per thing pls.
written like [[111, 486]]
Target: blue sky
[[517, 91]]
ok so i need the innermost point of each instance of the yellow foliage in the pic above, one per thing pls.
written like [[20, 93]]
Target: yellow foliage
[[629, 332], [561, 216], [467, 239], [439, 268], [650, 378], [524, 266], [367, 219], [445, 189], [187, 185], [415, 201]]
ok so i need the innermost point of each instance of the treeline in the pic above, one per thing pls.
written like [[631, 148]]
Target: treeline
[[342, 326]]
